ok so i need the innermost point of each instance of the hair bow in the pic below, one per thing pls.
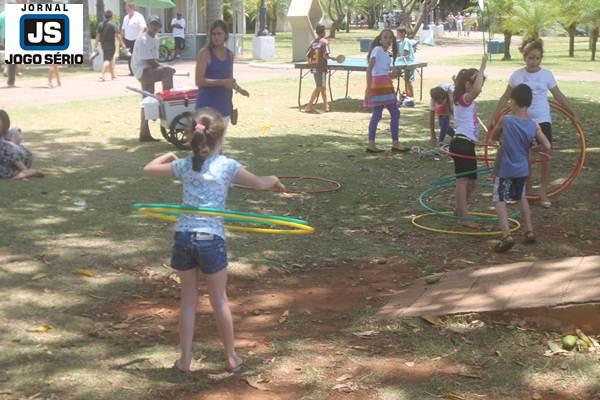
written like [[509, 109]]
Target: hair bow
[[200, 128]]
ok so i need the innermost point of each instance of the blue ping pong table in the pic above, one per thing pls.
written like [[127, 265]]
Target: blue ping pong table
[[359, 64]]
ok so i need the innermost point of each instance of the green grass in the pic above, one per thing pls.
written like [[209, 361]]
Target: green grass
[[556, 57]]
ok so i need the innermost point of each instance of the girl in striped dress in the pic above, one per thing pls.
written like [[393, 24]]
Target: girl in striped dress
[[380, 88]]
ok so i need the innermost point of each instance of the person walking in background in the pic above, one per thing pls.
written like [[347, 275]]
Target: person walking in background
[[53, 74], [133, 26], [178, 27], [459, 24], [105, 36]]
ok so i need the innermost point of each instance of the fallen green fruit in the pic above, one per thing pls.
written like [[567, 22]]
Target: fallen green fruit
[[435, 278], [568, 342]]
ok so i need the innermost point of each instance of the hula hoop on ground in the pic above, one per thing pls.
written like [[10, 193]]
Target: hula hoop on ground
[[582, 148], [462, 233], [448, 181], [171, 212], [336, 185]]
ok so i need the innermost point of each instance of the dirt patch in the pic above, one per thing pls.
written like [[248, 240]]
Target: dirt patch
[[276, 303]]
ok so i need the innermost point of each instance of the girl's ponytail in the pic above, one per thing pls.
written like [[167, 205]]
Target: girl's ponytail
[[206, 135]]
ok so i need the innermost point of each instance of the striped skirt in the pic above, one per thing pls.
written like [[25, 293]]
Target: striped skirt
[[382, 92]]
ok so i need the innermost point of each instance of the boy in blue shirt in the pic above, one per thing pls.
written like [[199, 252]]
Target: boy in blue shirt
[[517, 132]]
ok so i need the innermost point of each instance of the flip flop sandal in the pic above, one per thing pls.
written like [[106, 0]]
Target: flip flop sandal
[[368, 150], [545, 203], [236, 370], [529, 237], [505, 244], [400, 150]]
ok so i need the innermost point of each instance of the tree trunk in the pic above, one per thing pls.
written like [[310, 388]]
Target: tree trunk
[[571, 32], [99, 11], [122, 6], [594, 37], [273, 20], [214, 11], [348, 18], [332, 30], [507, 39]]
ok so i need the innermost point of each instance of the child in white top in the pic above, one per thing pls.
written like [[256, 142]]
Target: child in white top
[[540, 81], [380, 88], [468, 85], [199, 240]]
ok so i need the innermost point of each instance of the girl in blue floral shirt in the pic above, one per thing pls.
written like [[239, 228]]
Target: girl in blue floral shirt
[[200, 240]]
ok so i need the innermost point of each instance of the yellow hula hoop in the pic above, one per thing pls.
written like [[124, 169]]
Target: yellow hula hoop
[[301, 229], [463, 233]]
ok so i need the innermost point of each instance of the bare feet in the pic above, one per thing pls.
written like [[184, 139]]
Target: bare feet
[[178, 367], [234, 364]]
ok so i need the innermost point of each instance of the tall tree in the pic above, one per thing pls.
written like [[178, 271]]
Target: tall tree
[[99, 10], [530, 17], [569, 13], [276, 9], [372, 9], [500, 13], [337, 13], [214, 11], [591, 16]]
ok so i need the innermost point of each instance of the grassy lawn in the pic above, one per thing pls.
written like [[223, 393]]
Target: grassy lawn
[[556, 57], [113, 334]]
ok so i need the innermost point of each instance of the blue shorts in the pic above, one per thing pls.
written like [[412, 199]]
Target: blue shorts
[[508, 189], [196, 249]]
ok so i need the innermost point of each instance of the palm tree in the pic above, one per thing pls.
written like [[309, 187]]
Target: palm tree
[[214, 11], [591, 16], [569, 14], [500, 13], [531, 16]]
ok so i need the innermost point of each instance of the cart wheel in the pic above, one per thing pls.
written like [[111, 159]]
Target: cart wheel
[[178, 128], [163, 54], [165, 133]]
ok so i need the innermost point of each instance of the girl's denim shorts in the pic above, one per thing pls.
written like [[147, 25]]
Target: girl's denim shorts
[[197, 249]]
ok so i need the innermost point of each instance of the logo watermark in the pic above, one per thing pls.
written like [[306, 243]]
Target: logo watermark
[[38, 34]]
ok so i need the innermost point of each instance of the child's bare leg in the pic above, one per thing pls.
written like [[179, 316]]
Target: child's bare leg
[[545, 179], [463, 191], [526, 214], [187, 315], [503, 217], [313, 98], [460, 194], [105, 67], [324, 97], [217, 293]]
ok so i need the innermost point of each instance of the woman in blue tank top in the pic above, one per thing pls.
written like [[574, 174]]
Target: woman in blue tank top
[[214, 73]]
